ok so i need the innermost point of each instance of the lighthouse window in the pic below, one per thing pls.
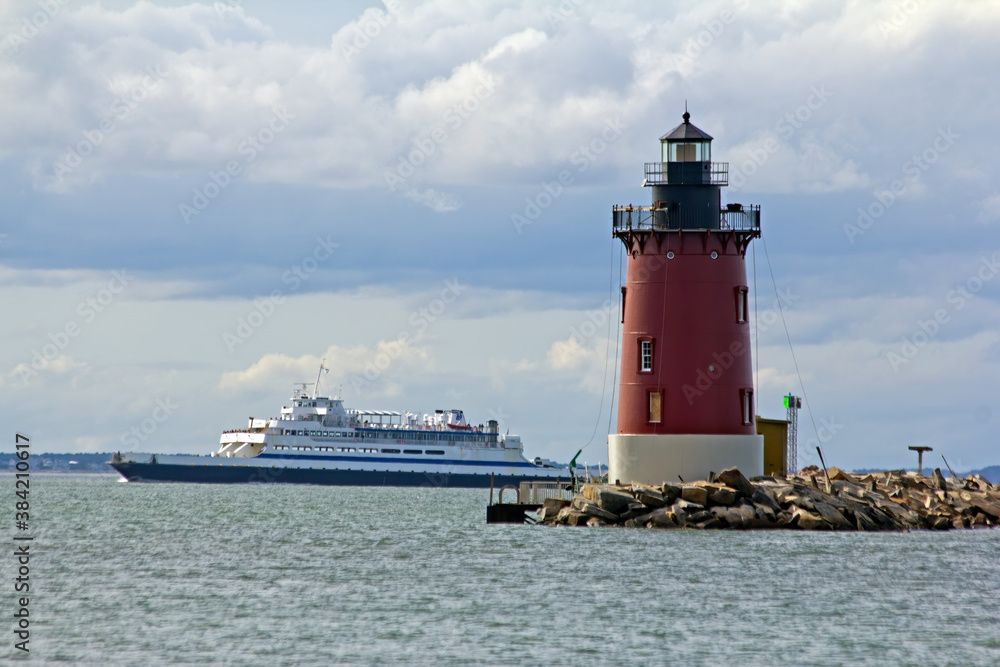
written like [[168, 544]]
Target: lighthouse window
[[645, 356], [741, 304], [747, 406], [655, 402]]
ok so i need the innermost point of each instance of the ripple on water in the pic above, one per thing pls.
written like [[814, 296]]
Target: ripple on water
[[153, 574]]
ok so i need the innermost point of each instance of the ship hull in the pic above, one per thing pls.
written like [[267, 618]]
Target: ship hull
[[216, 474]]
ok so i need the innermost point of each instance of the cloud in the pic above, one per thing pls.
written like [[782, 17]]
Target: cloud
[[584, 366], [360, 368], [989, 211], [40, 366], [183, 87], [439, 202]]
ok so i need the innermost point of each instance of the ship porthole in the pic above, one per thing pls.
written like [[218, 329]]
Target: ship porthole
[[715, 255], [670, 255]]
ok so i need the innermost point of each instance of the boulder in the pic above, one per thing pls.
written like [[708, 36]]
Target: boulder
[[708, 523], [695, 494], [722, 495], [576, 518], [784, 519], [836, 474], [666, 519], [640, 521], [609, 500], [939, 481], [594, 522], [979, 500], [806, 520], [547, 514], [699, 516], [728, 516], [843, 488], [885, 520], [802, 502], [831, 515], [763, 479], [912, 481], [581, 504], [682, 506], [864, 522], [765, 514], [670, 493], [649, 497], [555, 503], [551, 507], [721, 512], [634, 510], [762, 498], [746, 513], [764, 518], [732, 477], [901, 513], [982, 482], [659, 515]]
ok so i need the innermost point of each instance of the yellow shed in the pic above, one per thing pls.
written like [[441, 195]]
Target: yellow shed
[[775, 432]]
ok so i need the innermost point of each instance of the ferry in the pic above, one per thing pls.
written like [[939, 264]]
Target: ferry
[[316, 440]]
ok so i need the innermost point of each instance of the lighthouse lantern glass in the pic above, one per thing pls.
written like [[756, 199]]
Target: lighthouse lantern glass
[[687, 151]]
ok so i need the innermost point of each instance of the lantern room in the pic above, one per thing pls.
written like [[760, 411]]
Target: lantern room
[[686, 143]]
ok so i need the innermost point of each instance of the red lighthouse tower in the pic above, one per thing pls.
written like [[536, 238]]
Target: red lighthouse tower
[[686, 403]]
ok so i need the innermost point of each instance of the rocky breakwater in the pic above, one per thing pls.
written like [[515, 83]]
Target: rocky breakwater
[[807, 501]]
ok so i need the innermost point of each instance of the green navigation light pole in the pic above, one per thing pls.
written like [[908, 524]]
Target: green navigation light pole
[[572, 471]]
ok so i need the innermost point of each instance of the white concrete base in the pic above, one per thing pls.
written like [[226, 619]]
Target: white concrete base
[[654, 459]]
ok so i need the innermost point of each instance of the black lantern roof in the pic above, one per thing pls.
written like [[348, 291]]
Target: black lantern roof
[[686, 132]]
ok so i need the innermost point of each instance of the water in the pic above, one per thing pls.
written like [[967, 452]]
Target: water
[[147, 574]]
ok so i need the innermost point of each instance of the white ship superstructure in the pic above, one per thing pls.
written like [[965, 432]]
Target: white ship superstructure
[[317, 440]]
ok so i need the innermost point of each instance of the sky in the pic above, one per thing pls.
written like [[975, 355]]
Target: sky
[[204, 201]]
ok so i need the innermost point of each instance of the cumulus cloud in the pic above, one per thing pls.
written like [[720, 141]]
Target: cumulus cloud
[[587, 365], [360, 368], [164, 90]]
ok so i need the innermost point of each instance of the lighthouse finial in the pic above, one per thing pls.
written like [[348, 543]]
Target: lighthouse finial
[[686, 115]]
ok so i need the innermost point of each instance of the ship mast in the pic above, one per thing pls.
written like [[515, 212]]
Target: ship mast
[[318, 374]]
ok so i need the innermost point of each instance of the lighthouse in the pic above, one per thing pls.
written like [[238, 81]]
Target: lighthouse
[[686, 399]]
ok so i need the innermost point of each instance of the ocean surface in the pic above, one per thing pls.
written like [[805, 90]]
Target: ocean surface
[[148, 574]]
